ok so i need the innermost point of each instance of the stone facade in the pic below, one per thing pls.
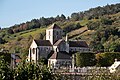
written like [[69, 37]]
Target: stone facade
[[53, 33], [54, 43]]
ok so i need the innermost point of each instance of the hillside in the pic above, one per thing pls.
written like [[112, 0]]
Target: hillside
[[101, 30]]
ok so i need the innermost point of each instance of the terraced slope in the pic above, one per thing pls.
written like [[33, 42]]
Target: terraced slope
[[77, 32]]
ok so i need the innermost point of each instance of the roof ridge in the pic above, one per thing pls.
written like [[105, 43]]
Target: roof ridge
[[54, 26], [43, 42], [58, 42], [59, 55]]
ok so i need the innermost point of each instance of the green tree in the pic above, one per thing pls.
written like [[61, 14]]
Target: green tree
[[85, 59], [107, 58], [78, 25], [39, 36], [10, 31], [106, 21], [113, 45], [33, 71], [2, 41], [63, 18], [75, 16], [5, 71]]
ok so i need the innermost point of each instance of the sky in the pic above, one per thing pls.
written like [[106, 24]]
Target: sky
[[18, 11]]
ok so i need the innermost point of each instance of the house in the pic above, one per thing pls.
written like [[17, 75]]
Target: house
[[115, 66], [15, 59], [55, 48]]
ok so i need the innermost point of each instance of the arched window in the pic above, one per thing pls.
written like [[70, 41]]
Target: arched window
[[49, 33], [57, 50], [33, 50]]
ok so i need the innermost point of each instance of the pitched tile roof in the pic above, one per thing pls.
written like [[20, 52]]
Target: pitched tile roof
[[43, 42], [58, 42], [60, 55], [78, 44], [54, 26]]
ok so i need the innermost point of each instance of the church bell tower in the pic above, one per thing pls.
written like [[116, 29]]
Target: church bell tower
[[53, 33]]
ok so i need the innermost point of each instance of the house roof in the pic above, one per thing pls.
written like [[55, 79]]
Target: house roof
[[54, 26], [115, 65], [60, 55], [78, 44], [43, 43], [58, 42], [15, 56]]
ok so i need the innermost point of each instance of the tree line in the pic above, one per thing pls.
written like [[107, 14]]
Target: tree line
[[43, 22], [105, 59], [26, 71]]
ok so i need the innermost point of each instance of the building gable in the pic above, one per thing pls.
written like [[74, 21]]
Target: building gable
[[33, 44], [54, 26]]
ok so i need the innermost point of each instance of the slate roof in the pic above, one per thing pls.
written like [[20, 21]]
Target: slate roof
[[78, 44], [60, 55], [15, 56], [43, 43], [54, 26], [58, 42]]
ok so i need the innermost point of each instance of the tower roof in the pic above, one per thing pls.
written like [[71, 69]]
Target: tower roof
[[54, 26]]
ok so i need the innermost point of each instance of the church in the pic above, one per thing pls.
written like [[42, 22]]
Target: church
[[55, 49]]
